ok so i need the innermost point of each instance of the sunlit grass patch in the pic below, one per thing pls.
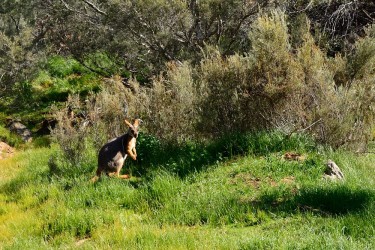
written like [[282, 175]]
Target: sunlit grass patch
[[8, 137], [11, 166], [29, 167], [16, 223], [28, 162], [242, 201], [76, 222]]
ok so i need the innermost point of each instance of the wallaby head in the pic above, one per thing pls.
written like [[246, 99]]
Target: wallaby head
[[133, 128]]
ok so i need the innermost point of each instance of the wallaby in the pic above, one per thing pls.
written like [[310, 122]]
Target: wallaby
[[112, 155]]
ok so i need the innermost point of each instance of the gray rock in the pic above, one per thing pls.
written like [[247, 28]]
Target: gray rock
[[332, 171], [20, 129]]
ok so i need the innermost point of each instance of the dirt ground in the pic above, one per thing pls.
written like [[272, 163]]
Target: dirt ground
[[6, 151]]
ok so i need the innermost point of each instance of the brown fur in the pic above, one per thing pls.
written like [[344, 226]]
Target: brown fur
[[113, 154]]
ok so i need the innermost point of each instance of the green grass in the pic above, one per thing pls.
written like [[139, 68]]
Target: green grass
[[243, 196], [8, 137], [32, 100], [192, 157]]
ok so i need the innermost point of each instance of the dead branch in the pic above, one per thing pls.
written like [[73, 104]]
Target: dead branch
[[94, 7], [303, 129]]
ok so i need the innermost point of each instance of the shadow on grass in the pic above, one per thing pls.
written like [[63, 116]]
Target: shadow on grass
[[189, 157], [330, 200]]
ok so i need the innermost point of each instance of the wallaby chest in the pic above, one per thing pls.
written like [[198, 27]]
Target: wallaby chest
[[131, 143]]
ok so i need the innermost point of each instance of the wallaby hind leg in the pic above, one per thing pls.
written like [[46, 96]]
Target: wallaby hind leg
[[122, 176], [117, 174], [94, 179], [112, 174], [97, 176]]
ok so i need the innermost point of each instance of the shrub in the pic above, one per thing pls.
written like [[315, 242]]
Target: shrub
[[342, 96], [271, 87], [362, 90], [169, 107], [320, 100], [223, 90], [84, 126], [71, 132]]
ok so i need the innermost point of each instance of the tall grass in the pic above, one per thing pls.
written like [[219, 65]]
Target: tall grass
[[242, 195], [189, 157]]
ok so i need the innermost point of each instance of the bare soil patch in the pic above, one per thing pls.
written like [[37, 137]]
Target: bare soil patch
[[6, 151]]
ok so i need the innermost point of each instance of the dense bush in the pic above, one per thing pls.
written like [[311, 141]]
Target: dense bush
[[272, 87], [83, 126], [169, 107]]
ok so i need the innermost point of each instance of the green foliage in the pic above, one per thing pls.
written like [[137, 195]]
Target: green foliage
[[209, 172], [186, 158], [169, 108], [17, 60], [61, 67], [9, 138], [103, 64], [270, 87], [61, 77], [241, 201]]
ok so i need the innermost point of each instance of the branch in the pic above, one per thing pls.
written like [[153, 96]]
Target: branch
[[304, 9], [68, 7], [90, 18], [303, 129], [235, 31], [93, 6], [152, 43], [16, 23], [368, 15]]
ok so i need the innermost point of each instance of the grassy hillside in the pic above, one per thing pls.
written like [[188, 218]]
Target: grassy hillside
[[208, 79], [239, 199], [31, 100]]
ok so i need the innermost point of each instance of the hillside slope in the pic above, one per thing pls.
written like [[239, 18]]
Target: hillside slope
[[251, 202]]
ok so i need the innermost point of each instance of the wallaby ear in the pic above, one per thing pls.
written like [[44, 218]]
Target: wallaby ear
[[128, 123], [137, 122]]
